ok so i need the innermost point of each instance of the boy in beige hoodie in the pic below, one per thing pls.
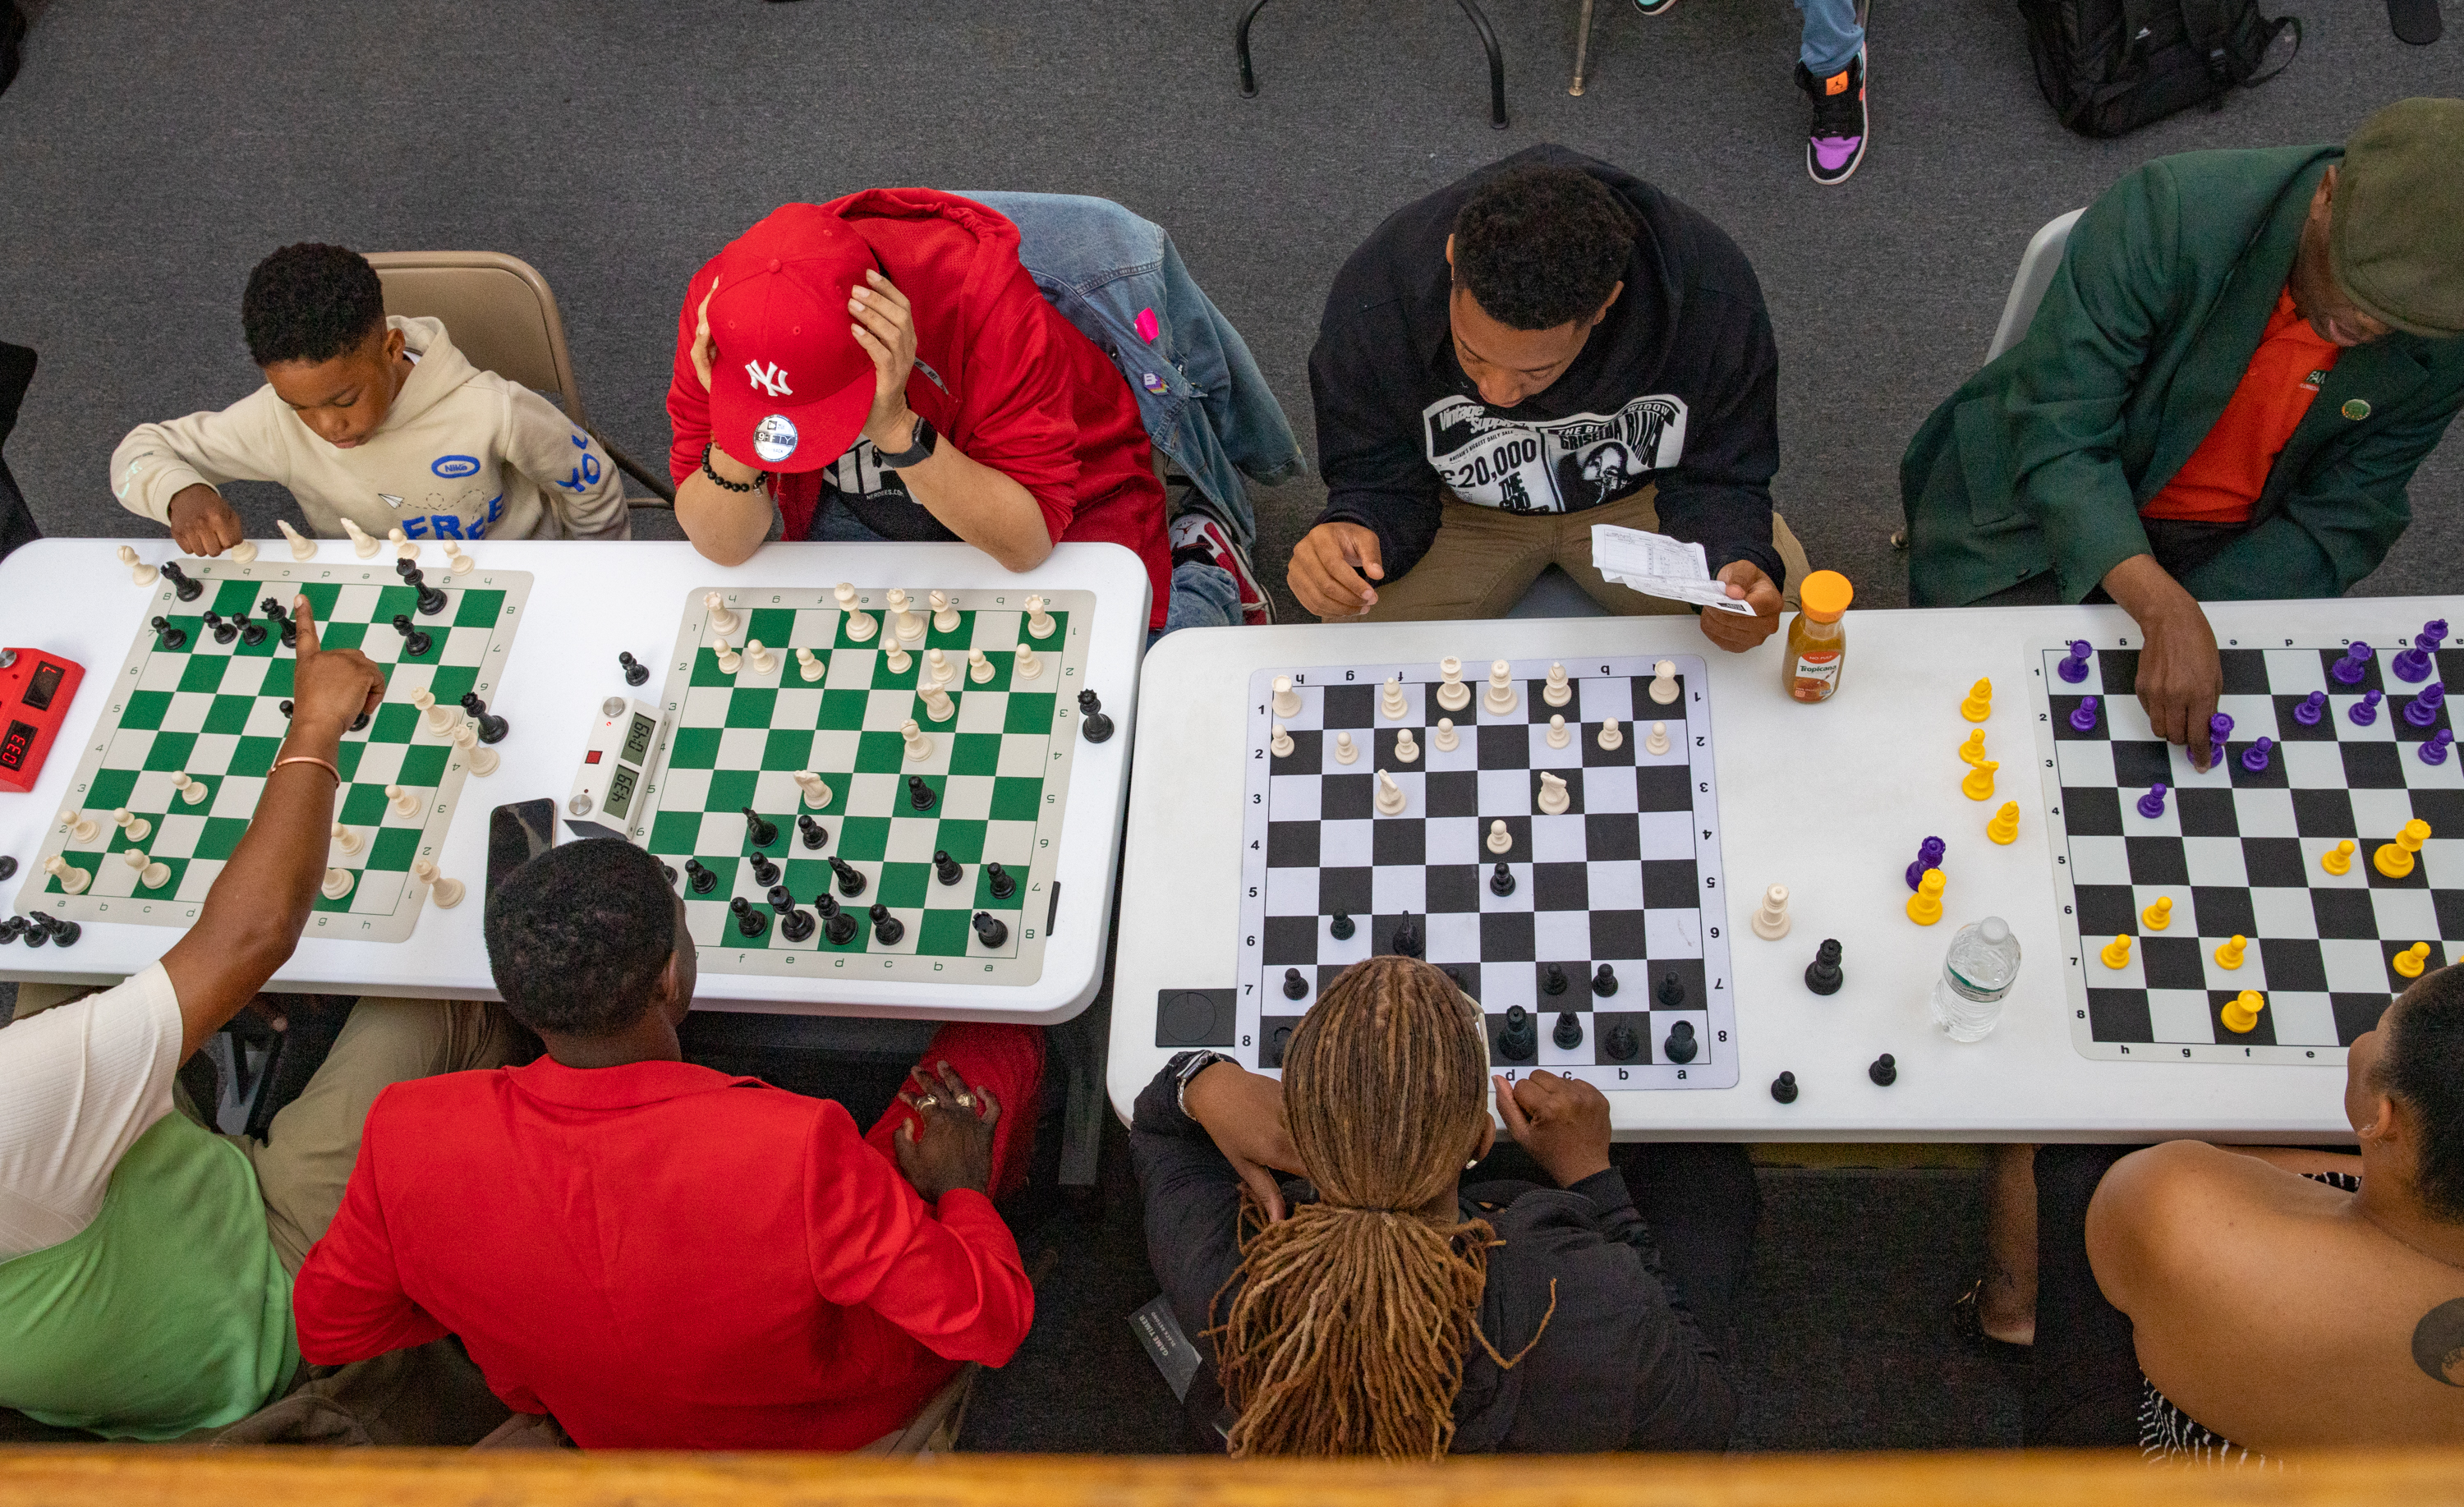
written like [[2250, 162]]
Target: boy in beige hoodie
[[374, 419]]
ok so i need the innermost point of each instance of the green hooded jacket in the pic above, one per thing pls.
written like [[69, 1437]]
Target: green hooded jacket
[[2042, 460]]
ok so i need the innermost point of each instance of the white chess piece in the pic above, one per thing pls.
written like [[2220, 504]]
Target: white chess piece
[[980, 670], [441, 718], [73, 879], [938, 704], [130, 823], [459, 564], [1346, 752], [861, 626], [1559, 690], [403, 802], [1390, 796], [937, 667], [816, 789], [1287, 701], [945, 618], [134, 858], [481, 759], [1558, 736], [362, 544], [729, 661], [1611, 738], [191, 791], [1500, 840], [150, 875], [919, 743], [721, 620], [1407, 748], [1445, 740], [1281, 744], [139, 572], [338, 883], [1657, 742], [893, 655], [1553, 799], [1501, 699], [1663, 682], [1039, 623], [808, 669], [447, 893], [301, 548], [1452, 693], [82, 828], [758, 657], [345, 839], [1390, 699], [1026, 663], [403, 548], [244, 552], [908, 625], [1770, 917]]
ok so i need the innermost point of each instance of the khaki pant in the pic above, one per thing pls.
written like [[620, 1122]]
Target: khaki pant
[[1484, 558]]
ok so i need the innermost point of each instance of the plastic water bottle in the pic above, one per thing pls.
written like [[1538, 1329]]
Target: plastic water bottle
[[1979, 970]]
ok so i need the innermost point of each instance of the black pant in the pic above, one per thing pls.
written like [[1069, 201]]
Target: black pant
[[1701, 1203], [2085, 1385]]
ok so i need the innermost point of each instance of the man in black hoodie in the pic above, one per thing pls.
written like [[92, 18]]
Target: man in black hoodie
[[1547, 338]]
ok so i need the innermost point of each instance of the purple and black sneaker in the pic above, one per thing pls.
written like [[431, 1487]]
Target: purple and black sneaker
[[1836, 142]]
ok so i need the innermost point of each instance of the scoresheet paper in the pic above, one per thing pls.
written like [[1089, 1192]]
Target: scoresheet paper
[[1659, 566]]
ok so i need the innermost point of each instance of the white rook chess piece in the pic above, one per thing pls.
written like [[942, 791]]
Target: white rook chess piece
[[72, 878], [244, 552], [1039, 623], [139, 572], [1390, 796], [361, 545], [1445, 740], [345, 839], [301, 548], [860, 624], [1501, 699], [945, 618], [980, 670], [1287, 701], [1663, 682], [191, 790], [919, 743], [1281, 744], [816, 789], [1657, 742], [1770, 917], [82, 828], [760, 658], [721, 620], [131, 823], [1346, 752], [447, 893], [461, 564], [1554, 799], [403, 548], [338, 883], [729, 661], [403, 802], [1390, 699], [1559, 690], [894, 656], [938, 704], [1609, 737], [1558, 736], [1026, 663], [1499, 838], [1452, 693], [808, 668], [1407, 748]]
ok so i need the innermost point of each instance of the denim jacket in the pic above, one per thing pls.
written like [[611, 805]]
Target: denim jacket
[[1120, 280]]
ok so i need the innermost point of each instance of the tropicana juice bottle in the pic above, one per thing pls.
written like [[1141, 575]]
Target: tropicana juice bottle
[[1817, 641]]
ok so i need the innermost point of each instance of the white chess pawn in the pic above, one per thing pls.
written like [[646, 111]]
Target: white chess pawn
[[1445, 740], [481, 759], [1407, 748], [1346, 752], [403, 802], [82, 828], [361, 545], [447, 893], [1026, 663], [937, 667], [861, 626], [1039, 623], [1390, 699], [1657, 742], [945, 618], [894, 656], [134, 858], [441, 719], [919, 743], [338, 883], [73, 879], [150, 875], [244, 552], [1287, 701], [1553, 800], [459, 564], [816, 789], [729, 661], [808, 669], [1558, 736], [131, 823], [1452, 693], [721, 620], [980, 670], [139, 572], [301, 548], [191, 791], [1501, 699], [1500, 840], [1281, 744], [760, 658], [1770, 917], [345, 839], [938, 704], [1611, 738], [1390, 796], [1663, 682], [403, 548], [1559, 690]]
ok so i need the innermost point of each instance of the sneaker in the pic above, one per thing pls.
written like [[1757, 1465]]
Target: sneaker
[[1655, 6], [1836, 142], [1196, 535]]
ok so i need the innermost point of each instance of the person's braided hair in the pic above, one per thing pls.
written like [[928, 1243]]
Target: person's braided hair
[[1349, 1332]]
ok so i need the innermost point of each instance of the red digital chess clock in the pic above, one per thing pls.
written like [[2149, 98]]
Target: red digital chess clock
[[36, 690]]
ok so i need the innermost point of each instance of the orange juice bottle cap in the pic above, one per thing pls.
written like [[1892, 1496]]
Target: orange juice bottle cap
[[1824, 595]]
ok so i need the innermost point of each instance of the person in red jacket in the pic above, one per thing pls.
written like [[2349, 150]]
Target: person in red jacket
[[890, 351], [659, 1255]]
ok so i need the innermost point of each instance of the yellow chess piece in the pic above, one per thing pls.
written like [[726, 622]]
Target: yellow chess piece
[[2158, 916], [2004, 828], [2116, 954], [2241, 1013], [2229, 956], [2338, 859], [1973, 750], [1925, 906], [1979, 784], [2412, 960], [2394, 859], [1979, 704]]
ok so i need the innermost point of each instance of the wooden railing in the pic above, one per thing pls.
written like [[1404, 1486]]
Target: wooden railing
[[85, 1476]]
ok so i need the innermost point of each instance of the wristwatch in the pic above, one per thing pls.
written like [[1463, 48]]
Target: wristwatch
[[1186, 1068], [925, 440]]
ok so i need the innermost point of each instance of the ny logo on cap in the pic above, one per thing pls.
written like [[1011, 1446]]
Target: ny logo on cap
[[772, 382]]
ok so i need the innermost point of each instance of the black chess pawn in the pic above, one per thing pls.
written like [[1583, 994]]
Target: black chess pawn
[[837, 926], [283, 706], [766, 873], [170, 635], [1823, 974], [759, 830], [1517, 1040], [1671, 993], [1784, 1089], [794, 924], [1407, 937], [990, 930], [1276, 1044], [1604, 981], [1501, 879], [945, 868], [492, 729], [1681, 1045], [1552, 980], [887, 928], [814, 833], [920, 794], [669, 869], [224, 630], [1295, 986], [186, 589], [250, 633], [1092, 720], [7, 869], [415, 640], [851, 880], [35, 933], [1340, 927], [635, 672], [1621, 1043], [1884, 1071], [12, 929], [998, 882], [749, 922], [1568, 1034]]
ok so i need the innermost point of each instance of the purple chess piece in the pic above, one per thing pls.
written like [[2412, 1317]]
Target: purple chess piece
[[2152, 805], [2434, 752], [2366, 710], [2355, 664], [2412, 665], [2253, 758], [2423, 709], [2312, 707], [2073, 668], [2083, 715], [2219, 728], [1929, 854]]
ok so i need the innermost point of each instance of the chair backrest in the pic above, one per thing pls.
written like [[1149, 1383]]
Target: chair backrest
[[498, 310], [2037, 267]]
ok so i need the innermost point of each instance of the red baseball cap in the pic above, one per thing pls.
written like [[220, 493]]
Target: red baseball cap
[[789, 386]]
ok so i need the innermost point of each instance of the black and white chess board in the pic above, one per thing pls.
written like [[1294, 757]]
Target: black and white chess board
[[2237, 850], [1628, 875]]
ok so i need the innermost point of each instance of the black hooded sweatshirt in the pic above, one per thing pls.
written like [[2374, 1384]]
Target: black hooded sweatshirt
[[1678, 386]]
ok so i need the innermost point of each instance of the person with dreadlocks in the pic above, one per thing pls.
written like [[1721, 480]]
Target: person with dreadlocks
[[1383, 1306]]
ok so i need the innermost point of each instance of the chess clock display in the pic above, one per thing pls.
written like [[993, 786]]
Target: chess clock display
[[610, 776], [36, 690]]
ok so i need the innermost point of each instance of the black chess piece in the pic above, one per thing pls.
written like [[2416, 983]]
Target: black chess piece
[[1340, 928], [1622, 1044], [814, 833], [1092, 720], [998, 882], [270, 610], [12, 929], [224, 630], [356, 726], [1517, 1041], [250, 633], [837, 926], [635, 672], [749, 922], [1501, 879], [887, 928], [1604, 981], [416, 642], [1823, 974], [63, 933], [169, 636], [492, 729], [1784, 1089], [1407, 937], [1884, 1071], [669, 869], [1568, 1034], [990, 930], [920, 794], [283, 706], [795, 925], [765, 871], [432, 600], [1681, 1045], [759, 829], [1275, 1045], [7, 869], [1295, 986], [1671, 993], [186, 589], [851, 880], [34, 932], [945, 868], [1552, 980]]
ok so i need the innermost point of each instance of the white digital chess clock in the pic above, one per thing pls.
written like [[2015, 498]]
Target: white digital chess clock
[[610, 777]]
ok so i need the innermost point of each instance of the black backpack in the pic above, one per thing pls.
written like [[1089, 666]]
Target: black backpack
[[2112, 66]]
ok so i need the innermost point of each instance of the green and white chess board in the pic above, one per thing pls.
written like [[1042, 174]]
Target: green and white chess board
[[999, 771], [213, 712]]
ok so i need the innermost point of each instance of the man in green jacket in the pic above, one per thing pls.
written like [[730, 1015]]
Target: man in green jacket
[[2240, 362]]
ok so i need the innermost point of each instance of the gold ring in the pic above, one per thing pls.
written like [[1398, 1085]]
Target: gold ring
[[926, 1101], [966, 1100]]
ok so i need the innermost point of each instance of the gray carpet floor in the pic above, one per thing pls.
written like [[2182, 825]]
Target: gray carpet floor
[[154, 149]]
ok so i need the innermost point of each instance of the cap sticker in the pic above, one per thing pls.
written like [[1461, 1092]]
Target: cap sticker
[[774, 438], [772, 380], [2357, 407]]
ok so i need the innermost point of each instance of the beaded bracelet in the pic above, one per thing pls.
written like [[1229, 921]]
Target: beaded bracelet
[[731, 486]]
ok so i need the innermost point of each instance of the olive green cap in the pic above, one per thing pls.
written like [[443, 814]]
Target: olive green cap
[[2392, 238]]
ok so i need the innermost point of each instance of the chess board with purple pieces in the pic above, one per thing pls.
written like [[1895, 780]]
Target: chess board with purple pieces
[[2318, 744], [1592, 936]]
